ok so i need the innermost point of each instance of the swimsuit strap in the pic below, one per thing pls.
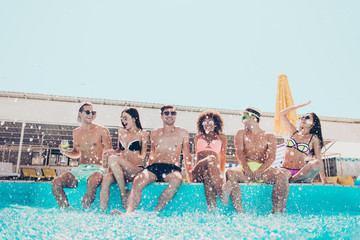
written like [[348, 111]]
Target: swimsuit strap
[[294, 133], [310, 140]]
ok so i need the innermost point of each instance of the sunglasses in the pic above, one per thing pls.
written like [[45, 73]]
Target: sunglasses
[[168, 113], [208, 123], [305, 117], [88, 112], [246, 116]]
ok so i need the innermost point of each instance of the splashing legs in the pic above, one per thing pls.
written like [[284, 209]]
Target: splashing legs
[[65, 180]]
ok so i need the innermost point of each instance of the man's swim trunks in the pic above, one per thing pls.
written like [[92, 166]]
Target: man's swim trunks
[[162, 169], [84, 171], [253, 166]]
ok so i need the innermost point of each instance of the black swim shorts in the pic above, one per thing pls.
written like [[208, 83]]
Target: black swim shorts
[[162, 169]]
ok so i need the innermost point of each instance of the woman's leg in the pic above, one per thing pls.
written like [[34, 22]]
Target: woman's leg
[[308, 172], [123, 170], [210, 192], [216, 178], [236, 175]]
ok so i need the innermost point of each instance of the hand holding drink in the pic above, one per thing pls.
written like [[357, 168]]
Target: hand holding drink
[[64, 145]]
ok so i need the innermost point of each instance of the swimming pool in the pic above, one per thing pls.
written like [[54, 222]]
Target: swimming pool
[[28, 210]]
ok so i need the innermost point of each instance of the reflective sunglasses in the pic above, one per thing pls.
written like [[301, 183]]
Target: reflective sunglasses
[[246, 116], [208, 123], [168, 113], [88, 112]]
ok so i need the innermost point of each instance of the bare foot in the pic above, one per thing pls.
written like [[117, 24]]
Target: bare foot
[[124, 200], [226, 190], [116, 212]]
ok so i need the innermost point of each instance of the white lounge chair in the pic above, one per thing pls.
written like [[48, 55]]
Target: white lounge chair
[[6, 170]]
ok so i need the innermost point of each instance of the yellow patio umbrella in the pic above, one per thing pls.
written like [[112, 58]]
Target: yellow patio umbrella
[[283, 100]]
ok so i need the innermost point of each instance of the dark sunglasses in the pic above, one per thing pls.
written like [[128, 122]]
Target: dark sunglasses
[[306, 117], [168, 113], [88, 112]]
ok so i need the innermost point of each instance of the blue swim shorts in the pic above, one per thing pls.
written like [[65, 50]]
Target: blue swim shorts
[[84, 171]]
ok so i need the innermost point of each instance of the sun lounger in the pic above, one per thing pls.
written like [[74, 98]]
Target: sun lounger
[[49, 173], [31, 173]]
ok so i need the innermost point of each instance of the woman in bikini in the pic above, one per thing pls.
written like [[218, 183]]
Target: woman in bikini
[[210, 148], [305, 142], [125, 162]]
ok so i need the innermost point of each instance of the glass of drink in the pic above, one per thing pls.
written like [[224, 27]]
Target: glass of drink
[[64, 145]]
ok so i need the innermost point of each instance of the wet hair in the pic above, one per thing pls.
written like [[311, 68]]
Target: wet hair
[[134, 114], [166, 107], [316, 130], [83, 105], [218, 121]]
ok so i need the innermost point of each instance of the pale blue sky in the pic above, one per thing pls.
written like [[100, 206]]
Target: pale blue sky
[[223, 54]]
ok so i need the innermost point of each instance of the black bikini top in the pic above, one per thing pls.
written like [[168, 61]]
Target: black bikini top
[[133, 146]]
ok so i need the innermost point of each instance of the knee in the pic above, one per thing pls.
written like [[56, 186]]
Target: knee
[[282, 176], [56, 183], [139, 182], [230, 174], [213, 161], [176, 179], [95, 179], [107, 180], [316, 164], [112, 161]]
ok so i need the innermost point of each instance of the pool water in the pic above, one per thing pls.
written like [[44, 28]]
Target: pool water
[[24, 215]]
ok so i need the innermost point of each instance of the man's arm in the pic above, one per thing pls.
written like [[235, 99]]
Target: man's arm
[[75, 152], [187, 156], [239, 149], [144, 141], [107, 144], [152, 147]]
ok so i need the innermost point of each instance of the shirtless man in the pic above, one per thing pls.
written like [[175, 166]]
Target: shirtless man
[[255, 151], [90, 141], [164, 162]]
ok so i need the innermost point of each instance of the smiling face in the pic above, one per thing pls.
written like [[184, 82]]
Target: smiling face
[[127, 121], [169, 116], [208, 124], [88, 114]]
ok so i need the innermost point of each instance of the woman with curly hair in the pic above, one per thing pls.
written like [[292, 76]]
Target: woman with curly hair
[[305, 141], [210, 148]]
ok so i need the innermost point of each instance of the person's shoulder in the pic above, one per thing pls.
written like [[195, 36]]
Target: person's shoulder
[[269, 134], [156, 132], [99, 127], [144, 133], [240, 132], [222, 136], [181, 130]]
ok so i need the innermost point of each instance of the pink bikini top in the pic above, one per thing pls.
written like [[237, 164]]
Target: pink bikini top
[[203, 145]]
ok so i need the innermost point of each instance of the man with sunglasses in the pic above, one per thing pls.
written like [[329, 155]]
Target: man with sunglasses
[[90, 141], [167, 143], [255, 151]]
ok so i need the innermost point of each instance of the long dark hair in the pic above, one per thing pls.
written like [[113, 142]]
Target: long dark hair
[[218, 121], [316, 130], [134, 114]]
